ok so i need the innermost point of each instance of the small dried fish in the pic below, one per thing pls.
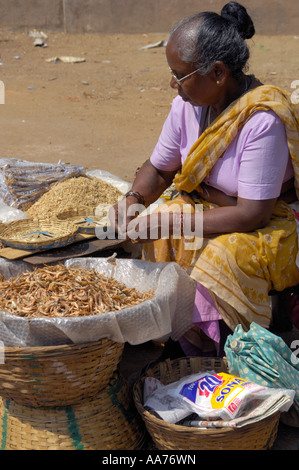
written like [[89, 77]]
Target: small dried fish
[[60, 291]]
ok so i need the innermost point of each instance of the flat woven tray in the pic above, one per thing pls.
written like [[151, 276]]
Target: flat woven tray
[[32, 234], [256, 436], [84, 218]]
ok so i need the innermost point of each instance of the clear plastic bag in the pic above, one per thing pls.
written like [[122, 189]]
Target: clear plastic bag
[[169, 312], [23, 182]]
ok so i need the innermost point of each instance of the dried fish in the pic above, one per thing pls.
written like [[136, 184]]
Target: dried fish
[[60, 291]]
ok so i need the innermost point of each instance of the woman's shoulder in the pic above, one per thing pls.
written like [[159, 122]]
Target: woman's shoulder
[[262, 121]]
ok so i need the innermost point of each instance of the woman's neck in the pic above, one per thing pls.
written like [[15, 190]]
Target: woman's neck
[[234, 90]]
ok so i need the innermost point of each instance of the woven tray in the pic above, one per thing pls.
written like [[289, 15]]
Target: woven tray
[[166, 436], [32, 234], [107, 422], [58, 375], [85, 219]]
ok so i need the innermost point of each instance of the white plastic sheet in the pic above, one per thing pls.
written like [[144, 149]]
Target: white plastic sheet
[[169, 313]]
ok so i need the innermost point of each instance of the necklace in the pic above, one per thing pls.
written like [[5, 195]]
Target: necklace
[[248, 81]]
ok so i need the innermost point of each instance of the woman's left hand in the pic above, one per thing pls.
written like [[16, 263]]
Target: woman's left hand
[[149, 228]]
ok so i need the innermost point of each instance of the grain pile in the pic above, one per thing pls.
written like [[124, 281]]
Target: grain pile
[[60, 291], [73, 194]]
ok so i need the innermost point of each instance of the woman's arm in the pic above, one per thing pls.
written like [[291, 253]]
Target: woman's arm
[[239, 214], [151, 182], [246, 216]]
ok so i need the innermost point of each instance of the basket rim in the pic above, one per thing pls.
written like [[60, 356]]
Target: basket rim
[[57, 347]]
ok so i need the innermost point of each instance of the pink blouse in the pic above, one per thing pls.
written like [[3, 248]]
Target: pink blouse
[[255, 164]]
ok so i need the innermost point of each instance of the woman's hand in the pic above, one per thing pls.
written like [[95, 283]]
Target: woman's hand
[[150, 184], [123, 212], [151, 227]]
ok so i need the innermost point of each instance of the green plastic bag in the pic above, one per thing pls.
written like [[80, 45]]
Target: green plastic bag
[[263, 358]]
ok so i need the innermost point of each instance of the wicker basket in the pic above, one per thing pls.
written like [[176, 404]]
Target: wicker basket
[[34, 234], [84, 218], [107, 422], [58, 375], [166, 436]]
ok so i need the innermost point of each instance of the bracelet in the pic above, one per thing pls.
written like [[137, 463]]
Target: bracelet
[[138, 196]]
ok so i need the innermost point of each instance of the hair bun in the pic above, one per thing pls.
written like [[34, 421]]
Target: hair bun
[[237, 14]]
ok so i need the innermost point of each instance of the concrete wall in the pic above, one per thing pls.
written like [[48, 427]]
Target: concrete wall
[[137, 16]]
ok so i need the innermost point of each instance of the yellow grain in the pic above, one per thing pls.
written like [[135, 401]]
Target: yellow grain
[[73, 194]]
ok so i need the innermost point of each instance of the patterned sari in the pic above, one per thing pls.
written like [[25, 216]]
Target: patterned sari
[[238, 269]]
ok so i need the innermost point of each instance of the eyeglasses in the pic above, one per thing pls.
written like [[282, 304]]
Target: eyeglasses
[[179, 81]]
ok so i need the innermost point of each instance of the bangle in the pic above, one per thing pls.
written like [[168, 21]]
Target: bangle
[[138, 196]]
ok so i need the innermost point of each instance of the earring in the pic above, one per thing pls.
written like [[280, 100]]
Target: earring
[[218, 83]]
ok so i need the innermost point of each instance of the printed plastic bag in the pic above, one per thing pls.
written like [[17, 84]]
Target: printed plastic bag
[[220, 395], [217, 399], [264, 358]]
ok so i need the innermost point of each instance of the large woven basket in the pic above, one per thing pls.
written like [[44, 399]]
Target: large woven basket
[[107, 422], [32, 234], [58, 375], [166, 436]]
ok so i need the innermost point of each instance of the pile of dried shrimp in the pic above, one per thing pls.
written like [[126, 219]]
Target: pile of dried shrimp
[[60, 291]]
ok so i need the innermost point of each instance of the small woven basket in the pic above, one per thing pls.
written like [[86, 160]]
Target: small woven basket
[[58, 375], [84, 218], [109, 421], [31, 234], [256, 436]]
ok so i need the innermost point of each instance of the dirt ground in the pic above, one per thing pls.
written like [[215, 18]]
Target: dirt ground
[[107, 112]]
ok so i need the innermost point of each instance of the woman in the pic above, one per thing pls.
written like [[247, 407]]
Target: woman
[[230, 144]]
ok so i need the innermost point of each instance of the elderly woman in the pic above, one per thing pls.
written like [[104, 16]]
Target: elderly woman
[[230, 144]]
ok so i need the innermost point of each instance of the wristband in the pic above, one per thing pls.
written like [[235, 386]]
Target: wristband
[[138, 196]]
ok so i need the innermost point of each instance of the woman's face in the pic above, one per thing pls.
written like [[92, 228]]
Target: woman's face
[[198, 90]]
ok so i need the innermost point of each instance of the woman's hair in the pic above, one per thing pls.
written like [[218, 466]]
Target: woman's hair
[[207, 37]]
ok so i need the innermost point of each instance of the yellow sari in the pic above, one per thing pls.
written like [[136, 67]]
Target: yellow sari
[[238, 269]]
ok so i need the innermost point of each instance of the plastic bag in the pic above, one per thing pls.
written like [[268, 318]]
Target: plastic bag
[[218, 396], [214, 398], [23, 182], [10, 214], [121, 185], [264, 358], [169, 312]]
